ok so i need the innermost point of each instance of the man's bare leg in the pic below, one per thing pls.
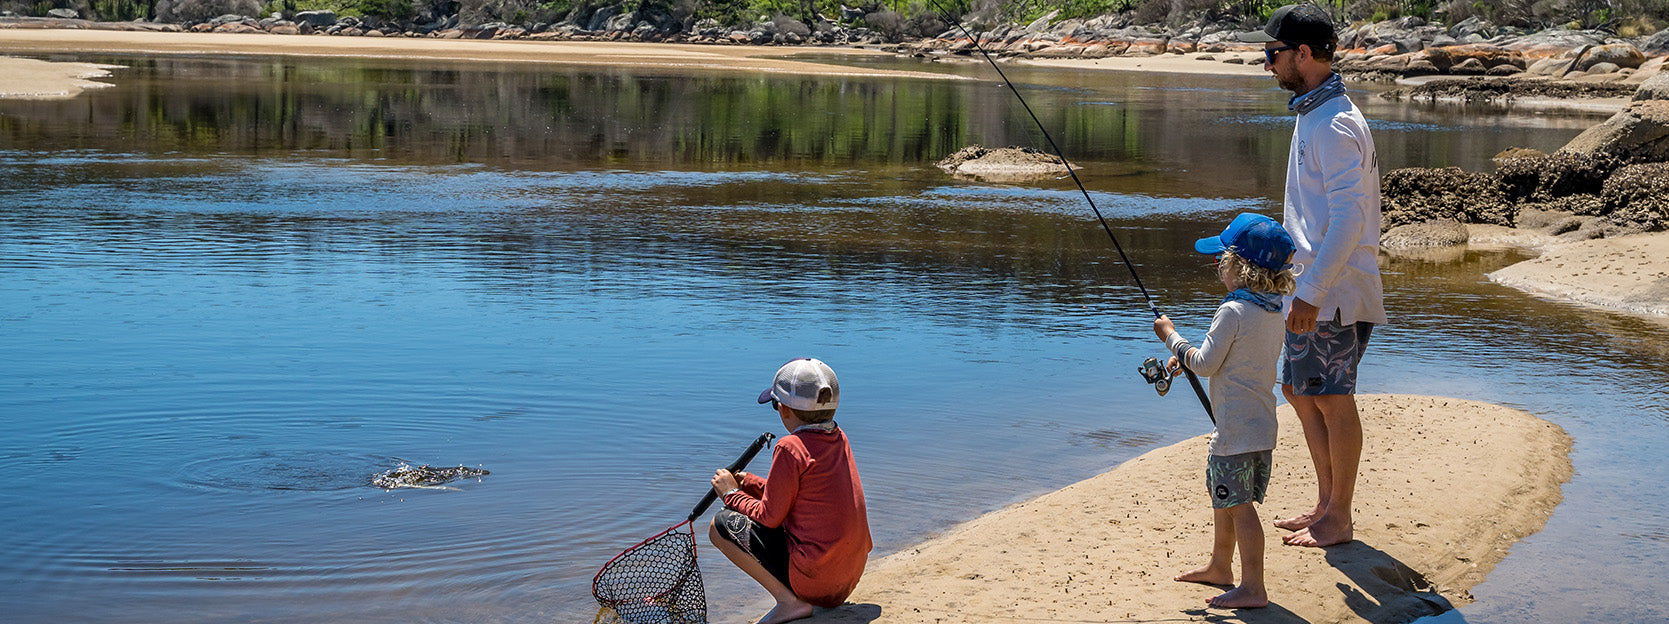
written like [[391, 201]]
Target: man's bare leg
[[1220, 570], [1315, 437], [1251, 593], [789, 606], [1344, 446]]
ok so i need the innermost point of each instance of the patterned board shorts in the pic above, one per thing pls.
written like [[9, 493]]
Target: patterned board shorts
[[1324, 361], [1238, 479], [766, 545]]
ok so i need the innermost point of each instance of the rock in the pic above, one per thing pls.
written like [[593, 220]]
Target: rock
[[285, 30], [1503, 71], [1417, 195], [237, 28], [1419, 67], [1639, 133], [1472, 26], [1602, 68], [1431, 233], [1009, 164], [1637, 196], [1654, 88], [1555, 42], [1517, 152], [316, 19], [63, 13], [1551, 67], [1656, 45], [1551, 178], [1473, 67], [1553, 222], [1617, 54]]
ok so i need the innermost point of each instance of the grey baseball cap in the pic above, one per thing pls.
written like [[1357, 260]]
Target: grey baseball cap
[[1294, 23]]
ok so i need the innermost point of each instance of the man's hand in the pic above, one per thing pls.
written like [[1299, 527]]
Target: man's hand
[[1163, 328], [724, 481], [1301, 318]]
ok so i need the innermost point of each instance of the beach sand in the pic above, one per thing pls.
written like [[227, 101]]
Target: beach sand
[[1627, 273], [31, 79], [1191, 63], [1446, 487], [647, 57]]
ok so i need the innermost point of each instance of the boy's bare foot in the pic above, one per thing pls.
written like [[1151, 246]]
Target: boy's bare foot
[[786, 613], [1241, 598], [1206, 575], [1319, 534], [1299, 521]]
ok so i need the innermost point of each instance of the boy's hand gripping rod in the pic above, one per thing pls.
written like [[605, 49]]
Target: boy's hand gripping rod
[[1193, 380], [760, 442]]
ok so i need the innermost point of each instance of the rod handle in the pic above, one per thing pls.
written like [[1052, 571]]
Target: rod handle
[[759, 443]]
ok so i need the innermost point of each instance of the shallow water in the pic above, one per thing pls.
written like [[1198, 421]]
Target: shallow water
[[231, 291]]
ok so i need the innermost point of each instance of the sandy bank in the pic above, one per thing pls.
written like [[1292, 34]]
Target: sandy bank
[[1628, 273], [671, 57], [1165, 63], [1447, 486], [42, 80]]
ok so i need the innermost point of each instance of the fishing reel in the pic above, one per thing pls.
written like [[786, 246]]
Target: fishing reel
[[1156, 374]]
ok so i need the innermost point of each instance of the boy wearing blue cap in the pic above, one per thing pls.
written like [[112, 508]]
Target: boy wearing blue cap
[[1239, 354]]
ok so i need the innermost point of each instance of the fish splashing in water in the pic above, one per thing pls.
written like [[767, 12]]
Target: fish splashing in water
[[425, 476]]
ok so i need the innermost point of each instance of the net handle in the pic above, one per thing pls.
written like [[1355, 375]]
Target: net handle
[[759, 443]]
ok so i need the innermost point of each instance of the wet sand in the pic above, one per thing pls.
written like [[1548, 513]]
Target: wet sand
[[1446, 487], [1627, 273], [1191, 63]]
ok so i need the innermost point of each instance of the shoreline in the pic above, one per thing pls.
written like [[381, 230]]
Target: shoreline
[[31, 79], [1430, 524]]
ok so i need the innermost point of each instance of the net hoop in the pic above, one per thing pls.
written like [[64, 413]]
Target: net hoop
[[614, 603]]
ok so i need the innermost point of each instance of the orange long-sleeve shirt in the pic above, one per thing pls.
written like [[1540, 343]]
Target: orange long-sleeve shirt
[[814, 494]]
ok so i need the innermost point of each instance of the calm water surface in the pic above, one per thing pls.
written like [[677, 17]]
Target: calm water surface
[[232, 290]]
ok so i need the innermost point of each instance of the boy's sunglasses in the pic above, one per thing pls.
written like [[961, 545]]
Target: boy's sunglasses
[[1269, 53], [774, 404]]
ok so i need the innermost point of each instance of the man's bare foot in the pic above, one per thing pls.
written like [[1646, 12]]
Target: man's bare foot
[[1299, 521], [786, 613], [1319, 534], [1206, 575], [1241, 598]]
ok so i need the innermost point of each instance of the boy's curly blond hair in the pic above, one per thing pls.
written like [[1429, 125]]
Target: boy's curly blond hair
[[1255, 278]]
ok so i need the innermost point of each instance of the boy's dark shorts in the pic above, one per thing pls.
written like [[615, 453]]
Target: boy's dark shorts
[[1238, 479], [766, 545], [1324, 361]]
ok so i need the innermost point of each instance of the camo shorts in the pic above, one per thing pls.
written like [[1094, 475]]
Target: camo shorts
[[1324, 361], [1238, 479], [766, 545]]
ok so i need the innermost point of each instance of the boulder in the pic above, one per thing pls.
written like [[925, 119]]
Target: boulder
[[1503, 71], [1551, 66], [316, 19], [1602, 68], [1654, 88], [63, 13], [1430, 233], [1617, 54], [1637, 196], [1554, 42], [1656, 45], [1473, 67], [1639, 133], [1008, 164], [1552, 222], [1554, 178]]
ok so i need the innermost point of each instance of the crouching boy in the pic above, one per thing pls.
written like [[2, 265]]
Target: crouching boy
[[802, 531]]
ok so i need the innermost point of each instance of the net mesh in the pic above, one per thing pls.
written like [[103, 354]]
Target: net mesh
[[655, 582]]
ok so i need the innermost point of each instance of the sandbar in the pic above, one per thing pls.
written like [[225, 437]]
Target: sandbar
[[1191, 63], [1447, 486], [1626, 273], [31, 79]]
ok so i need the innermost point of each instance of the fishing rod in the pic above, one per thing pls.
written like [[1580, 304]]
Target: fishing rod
[[1193, 379]]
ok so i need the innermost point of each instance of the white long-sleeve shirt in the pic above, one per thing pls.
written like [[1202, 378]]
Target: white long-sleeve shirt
[[1333, 213], [1239, 354]]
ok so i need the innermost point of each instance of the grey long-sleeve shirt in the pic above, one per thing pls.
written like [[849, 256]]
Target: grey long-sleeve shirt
[[1239, 354]]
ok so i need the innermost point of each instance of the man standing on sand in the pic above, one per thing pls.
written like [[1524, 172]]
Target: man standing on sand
[[1332, 212]]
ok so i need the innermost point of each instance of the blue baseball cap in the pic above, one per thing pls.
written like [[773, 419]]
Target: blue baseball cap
[[1258, 239]]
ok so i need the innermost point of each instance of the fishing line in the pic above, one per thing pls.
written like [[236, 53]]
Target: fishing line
[[1193, 379]]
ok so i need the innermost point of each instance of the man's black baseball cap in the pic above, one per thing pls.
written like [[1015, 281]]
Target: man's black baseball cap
[[1295, 23]]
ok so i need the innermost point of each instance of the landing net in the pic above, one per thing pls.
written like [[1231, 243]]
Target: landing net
[[654, 582]]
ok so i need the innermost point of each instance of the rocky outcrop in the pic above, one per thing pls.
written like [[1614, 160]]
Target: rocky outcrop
[[1418, 195], [1654, 88], [1637, 196]]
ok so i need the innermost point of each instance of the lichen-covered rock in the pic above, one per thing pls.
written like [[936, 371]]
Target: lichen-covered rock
[[1417, 195], [1638, 196], [1432, 233], [1619, 54], [1654, 88]]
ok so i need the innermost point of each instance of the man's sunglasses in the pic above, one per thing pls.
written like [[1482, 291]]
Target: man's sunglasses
[[1269, 53]]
